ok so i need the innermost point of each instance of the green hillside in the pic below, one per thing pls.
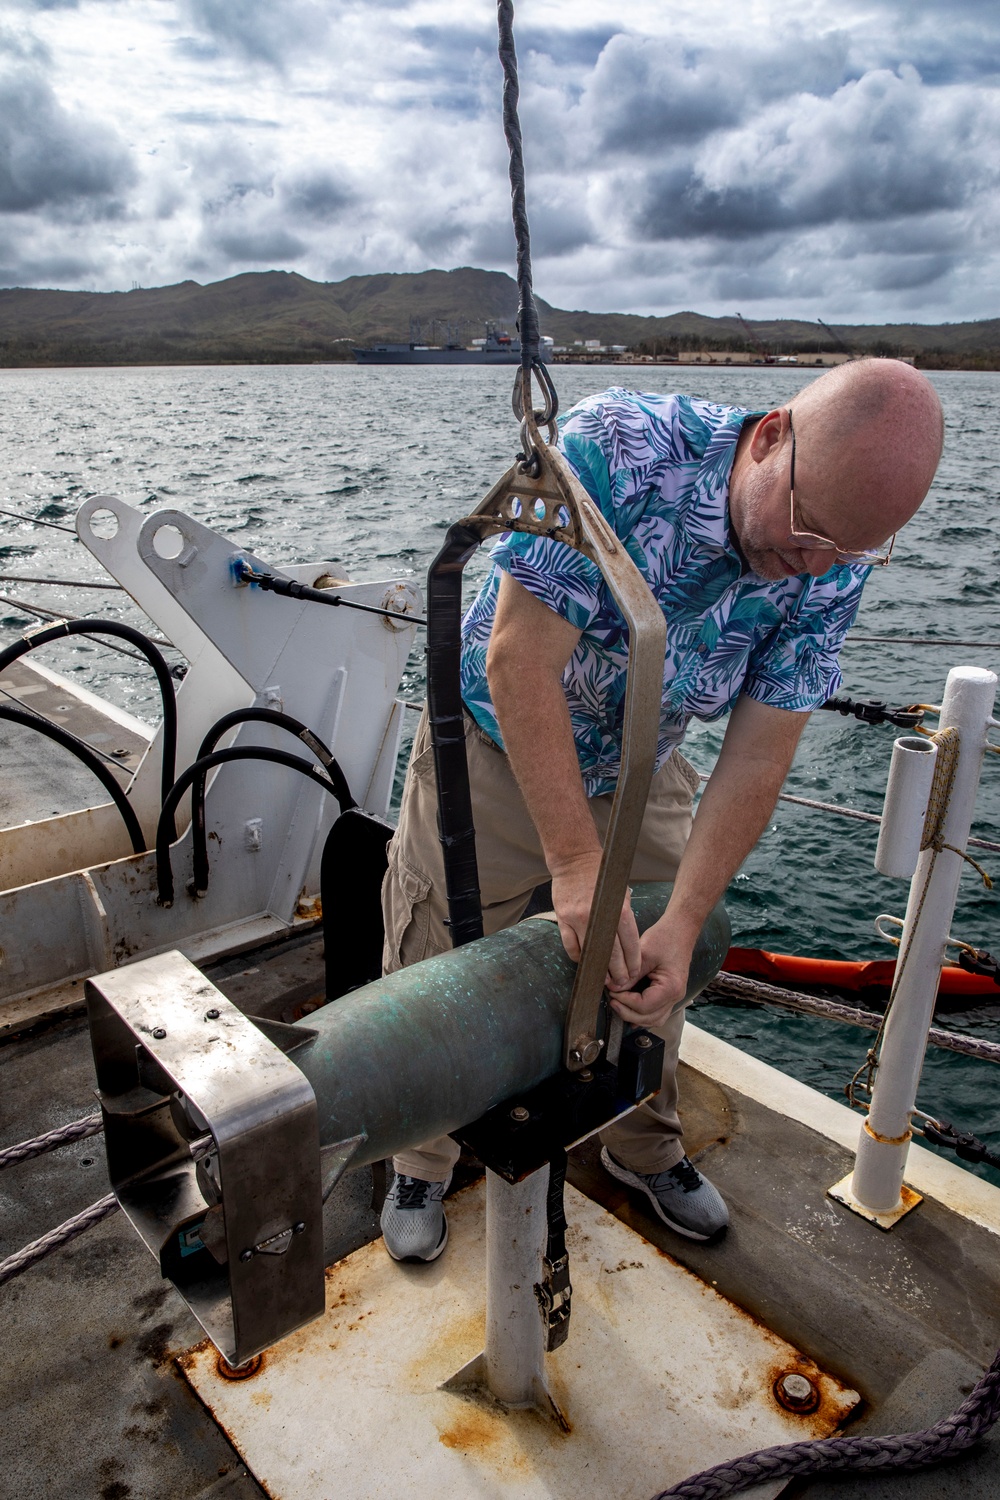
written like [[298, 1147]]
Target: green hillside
[[281, 317]]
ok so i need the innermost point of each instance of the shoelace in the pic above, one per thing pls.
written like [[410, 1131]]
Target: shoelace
[[686, 1176], [411, 1192]]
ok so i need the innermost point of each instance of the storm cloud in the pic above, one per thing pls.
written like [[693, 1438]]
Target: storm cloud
[[778, 157]]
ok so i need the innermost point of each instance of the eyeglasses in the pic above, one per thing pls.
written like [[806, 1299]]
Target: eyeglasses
[[875, 557]]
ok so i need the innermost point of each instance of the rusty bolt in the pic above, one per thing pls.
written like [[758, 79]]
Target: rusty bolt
[[644, 1042], [796, 1392], [212, 1015], [159, 1033], [520, 1114]]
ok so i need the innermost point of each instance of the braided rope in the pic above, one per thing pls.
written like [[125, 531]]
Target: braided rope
[[76, 1130], [22, 1259], [910, 1450], [832, 1010], [527, 317]]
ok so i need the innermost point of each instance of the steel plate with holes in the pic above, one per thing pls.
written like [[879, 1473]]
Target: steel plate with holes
[[661, 1377]]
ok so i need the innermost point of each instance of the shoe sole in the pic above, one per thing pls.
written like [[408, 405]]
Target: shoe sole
[[630, 1179], [419, 1260]]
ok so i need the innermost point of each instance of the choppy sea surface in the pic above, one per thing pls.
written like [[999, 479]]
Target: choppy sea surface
[[368, 466]]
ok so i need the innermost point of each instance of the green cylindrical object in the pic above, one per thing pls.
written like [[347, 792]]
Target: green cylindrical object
[[430, 1048]]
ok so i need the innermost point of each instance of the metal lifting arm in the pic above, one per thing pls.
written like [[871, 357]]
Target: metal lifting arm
[[541, 495]]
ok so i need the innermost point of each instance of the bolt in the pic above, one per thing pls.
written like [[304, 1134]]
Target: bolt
[[246, 1255], [159, 1033], [586, 1076], [644, 1042], [298, 1228], [586, 1051], [520, 1114], [796, 1392], [212, 1015]]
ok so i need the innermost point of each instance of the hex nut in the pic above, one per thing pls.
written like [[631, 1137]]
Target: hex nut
[[796, 1392], [520, 1114], [644, 1042]]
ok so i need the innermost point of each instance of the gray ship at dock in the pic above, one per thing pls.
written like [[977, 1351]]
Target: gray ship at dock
[[498, 348]]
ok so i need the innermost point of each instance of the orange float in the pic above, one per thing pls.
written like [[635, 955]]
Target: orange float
[[790, 968]]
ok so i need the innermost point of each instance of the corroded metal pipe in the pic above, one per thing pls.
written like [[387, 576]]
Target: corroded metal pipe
[[431, 1048]]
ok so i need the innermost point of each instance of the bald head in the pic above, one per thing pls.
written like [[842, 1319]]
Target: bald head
[[869, 441], [868, 438]]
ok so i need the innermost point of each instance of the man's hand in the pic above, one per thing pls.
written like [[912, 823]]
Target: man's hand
[[664, 964], [573, 885]]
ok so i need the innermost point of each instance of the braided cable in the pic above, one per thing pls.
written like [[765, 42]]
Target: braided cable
[[76, 1130], [31, 1254], [527, 317], [831, 1010], [910, 1450]]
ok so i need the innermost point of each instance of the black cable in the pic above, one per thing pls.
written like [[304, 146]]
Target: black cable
[[126, 633], [32, 521], [164, 838], [446, 714], [90, 760], [288, 588], [342, 792]]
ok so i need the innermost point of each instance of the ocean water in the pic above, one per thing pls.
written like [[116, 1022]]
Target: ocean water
[[369, 465]]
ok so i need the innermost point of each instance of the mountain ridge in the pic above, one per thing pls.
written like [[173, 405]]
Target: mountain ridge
[[283, 317]]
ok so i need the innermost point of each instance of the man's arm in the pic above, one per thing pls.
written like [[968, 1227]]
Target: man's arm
[[529, 648], [738, 800]]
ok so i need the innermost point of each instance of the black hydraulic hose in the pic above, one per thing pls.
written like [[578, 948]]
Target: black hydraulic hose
[[125, 633], [341, 790], [447, 724], [90, 760], [164, 873]]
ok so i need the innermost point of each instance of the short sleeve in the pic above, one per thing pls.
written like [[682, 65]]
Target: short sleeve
[[796, 666], [557, 575]]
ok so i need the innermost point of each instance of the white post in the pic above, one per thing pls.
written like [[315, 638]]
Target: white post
[[885, 1135], [516, 1233]]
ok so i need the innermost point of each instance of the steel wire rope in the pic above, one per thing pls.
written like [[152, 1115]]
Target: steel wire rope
[[116, 629], [68, 583], [854, 812], [34, 521], [83, 752], [342, 792], [164, 872], [45, 613]]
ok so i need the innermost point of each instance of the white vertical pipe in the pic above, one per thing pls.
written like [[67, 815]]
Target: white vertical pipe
[[907, 794], [885, 1135], [516, 1234]]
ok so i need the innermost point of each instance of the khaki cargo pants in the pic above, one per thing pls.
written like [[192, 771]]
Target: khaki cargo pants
[[510, 866]]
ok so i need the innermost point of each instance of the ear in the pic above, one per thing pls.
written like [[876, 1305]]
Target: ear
[[769, 434]]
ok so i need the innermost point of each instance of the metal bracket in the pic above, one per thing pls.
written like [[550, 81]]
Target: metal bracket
[[553, 503], [213, 1152]]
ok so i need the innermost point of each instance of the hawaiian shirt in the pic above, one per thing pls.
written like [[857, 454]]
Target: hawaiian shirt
[[658, 466]]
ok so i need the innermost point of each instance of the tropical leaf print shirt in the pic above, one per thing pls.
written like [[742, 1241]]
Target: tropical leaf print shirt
[[658, 467]]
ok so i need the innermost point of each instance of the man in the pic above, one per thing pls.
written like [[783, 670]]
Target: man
[[756, 532]]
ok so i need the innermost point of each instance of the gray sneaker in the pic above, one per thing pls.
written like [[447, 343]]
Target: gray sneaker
[[414, 1226], [682, 1198]]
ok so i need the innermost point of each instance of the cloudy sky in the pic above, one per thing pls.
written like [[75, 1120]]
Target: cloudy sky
[[777, 157]]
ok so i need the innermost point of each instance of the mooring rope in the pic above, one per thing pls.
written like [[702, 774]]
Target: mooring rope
[[39, 1145], [910, 1450], [31, 1254]]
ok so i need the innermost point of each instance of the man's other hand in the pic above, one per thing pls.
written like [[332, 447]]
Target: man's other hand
[[572, 897], [664, 964]]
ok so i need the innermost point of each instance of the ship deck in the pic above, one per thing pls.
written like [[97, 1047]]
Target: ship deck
[[98, 1406]]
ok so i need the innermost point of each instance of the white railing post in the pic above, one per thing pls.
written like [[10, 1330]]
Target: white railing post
[[885, 1135]]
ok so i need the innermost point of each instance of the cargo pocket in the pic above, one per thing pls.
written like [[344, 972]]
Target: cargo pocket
[[407, 911], [686, 772]]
